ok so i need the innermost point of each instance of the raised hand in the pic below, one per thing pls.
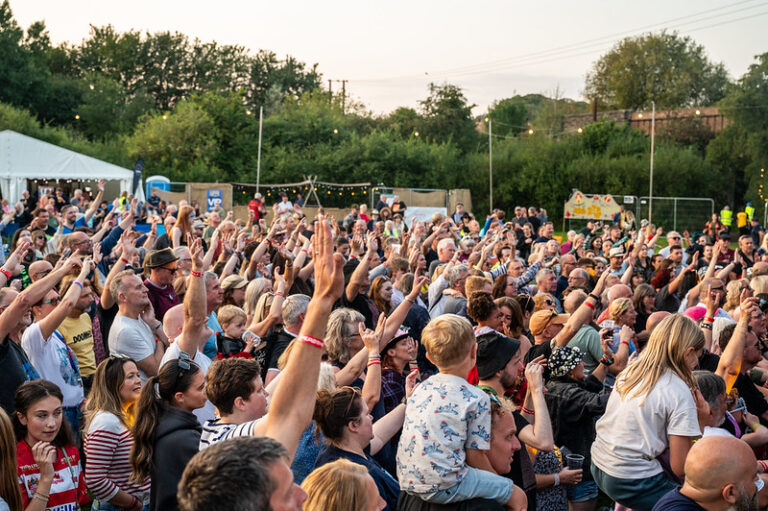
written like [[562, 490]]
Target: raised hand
[[329, 275], [411, 382], [197, 254]]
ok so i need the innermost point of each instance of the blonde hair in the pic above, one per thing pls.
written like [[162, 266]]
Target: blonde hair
[[476, 283], [618, 307], [733, 295], [665, 352], [263, 307], [228, 313], [759, 284], [255, 289], [448, 340], [337, 486]]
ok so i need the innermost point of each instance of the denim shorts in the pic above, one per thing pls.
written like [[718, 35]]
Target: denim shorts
[[477, 484], [106, 506], [582, 492], [636, 494]]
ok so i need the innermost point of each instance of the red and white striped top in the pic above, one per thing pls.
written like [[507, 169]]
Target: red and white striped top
[[107, 452]]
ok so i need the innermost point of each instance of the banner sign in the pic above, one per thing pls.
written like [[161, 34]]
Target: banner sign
[[590, 207], [214, 199]]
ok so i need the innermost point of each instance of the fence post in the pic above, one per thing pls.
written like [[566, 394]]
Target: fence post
[[674, 217]]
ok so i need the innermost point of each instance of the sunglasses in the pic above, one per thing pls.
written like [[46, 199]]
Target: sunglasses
[[52, 301]]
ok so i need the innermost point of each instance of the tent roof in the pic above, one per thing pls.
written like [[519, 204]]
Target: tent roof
[[26, 157]]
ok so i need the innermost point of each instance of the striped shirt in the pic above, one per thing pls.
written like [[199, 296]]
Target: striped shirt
[[215, 431], [108, 446]]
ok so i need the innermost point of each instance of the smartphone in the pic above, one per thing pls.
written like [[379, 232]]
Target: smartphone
[[396, 249]]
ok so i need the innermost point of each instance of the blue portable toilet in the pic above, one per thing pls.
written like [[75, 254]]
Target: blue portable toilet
[[159, 182]]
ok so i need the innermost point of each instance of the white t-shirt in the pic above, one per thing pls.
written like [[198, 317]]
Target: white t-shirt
[[54, 360], [208, 412], [630, 435], [132, 338], [284, 208]]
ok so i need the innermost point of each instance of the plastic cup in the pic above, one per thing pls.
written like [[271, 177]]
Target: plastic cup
[[574, 461]]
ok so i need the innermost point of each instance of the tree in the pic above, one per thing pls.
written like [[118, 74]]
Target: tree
[[448, 117], [511, 114], [667, 68]]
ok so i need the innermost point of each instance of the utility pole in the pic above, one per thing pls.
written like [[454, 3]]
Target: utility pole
[[330, 91], [653, 135], [258, 157], [343, 95], [490, 162]]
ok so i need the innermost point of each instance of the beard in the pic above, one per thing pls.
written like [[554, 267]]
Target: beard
[[508, 381], [745, 502]]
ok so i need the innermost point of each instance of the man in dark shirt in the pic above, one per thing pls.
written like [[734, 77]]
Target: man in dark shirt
[[720, 474], [162, 269]]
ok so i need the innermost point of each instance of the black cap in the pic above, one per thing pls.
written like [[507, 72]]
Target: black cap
[[724, 235], [494, 351]]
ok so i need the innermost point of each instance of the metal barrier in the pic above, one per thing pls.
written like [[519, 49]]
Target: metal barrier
[[678, 213]]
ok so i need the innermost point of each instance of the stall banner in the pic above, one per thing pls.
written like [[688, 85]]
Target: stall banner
[[590, 207]]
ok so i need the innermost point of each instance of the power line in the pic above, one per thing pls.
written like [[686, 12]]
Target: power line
[[566, 51]]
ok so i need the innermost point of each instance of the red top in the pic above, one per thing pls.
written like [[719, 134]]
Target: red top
[[68, 483]]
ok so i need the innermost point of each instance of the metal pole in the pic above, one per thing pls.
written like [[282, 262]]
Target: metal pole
[[653, 135], [490, 162], [674, 214], [258, 156]]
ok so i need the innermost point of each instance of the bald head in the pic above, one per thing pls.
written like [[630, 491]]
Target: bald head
[[654, 319], [38, 270], [619, 291], [173, 321], [719, 471], [574, 300], [759, 268]]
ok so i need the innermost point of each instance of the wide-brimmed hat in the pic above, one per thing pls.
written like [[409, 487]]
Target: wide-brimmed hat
[[159, 258], [563, 360]]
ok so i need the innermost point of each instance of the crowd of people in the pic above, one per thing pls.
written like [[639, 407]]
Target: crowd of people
[[366, 363]]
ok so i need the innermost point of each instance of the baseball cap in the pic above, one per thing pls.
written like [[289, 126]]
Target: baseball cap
[[542, 319]]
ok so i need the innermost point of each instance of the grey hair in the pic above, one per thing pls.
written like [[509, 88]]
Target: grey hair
[[293, 306], [444, 243], [209, 278], [253, 292], [337, 330], [454, 273], [116, 286], [711, 385], [542, 272]]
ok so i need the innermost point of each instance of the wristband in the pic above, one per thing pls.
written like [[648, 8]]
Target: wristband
[[374, 355], [527, 411], [592, 295], [313, 341], [589, 305], [124, 260], [557, 479], [625, 342], [78, 283], [39, 496], [373, 362], [763, 465], [196, 273], [709, 320], [409, 299], [606, 361], [706, 326], [303, 250], [7, 274], [278, 293]]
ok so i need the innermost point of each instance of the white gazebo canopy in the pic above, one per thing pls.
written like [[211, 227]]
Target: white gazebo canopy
[[23, 158]]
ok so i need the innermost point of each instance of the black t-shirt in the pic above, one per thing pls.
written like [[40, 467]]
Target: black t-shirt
[[12, 373], [522, 469], [753, 398], [676, 501]]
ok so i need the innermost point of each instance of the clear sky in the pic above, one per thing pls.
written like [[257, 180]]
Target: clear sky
[[389, 50]]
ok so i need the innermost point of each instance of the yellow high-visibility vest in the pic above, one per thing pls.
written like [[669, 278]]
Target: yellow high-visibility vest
[[750, 211], [726, 216]]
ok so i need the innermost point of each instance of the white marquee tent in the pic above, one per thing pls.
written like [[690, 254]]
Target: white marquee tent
[[23, 158]]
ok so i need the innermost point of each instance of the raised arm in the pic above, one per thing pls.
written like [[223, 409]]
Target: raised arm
[[540, 436], [52, 321], [194, 303], [730, 361], [371, 391], [294, 400], [398, 315], [582, 314], [95, 202]]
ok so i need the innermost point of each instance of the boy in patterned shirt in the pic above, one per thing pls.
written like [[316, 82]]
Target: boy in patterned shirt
[[441, 456]]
